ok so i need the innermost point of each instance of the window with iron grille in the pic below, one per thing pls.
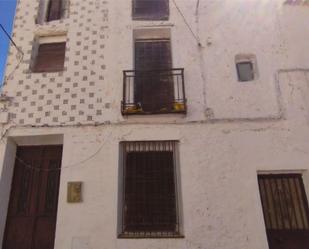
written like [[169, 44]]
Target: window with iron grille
[[150, 9], [285, 209], [49, 57], [150, 205]]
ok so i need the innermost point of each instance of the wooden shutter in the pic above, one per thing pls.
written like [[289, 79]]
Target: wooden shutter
[[150, 9], [285, 209], [54, 10], [50, 57], [154, 89]]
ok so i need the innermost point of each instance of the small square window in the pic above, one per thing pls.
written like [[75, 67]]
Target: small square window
[[49, 57], [150, 205], [245, 71]]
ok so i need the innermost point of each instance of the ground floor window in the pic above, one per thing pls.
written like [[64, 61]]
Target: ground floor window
[[150, 190], [285, 209]]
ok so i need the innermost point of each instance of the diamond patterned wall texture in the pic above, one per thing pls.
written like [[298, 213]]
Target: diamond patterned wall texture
[[71, 96]]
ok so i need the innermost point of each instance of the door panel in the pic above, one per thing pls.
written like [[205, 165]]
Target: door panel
[[18, 232], [288, 239], [44, 227], [32, 213]]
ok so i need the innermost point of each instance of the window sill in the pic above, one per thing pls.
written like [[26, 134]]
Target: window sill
[[150, 18], [48, 71]]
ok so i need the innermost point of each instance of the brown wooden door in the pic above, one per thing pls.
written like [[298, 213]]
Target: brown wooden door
[[32, 213], [285, 209], [153, 81]]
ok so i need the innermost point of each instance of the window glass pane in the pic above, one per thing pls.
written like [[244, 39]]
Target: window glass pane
[[245, 71], [54, 10]]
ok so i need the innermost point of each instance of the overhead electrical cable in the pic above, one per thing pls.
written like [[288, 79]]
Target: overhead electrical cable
[[187, 24]]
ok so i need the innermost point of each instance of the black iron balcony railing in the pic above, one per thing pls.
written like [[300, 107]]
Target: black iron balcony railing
[[153, 92]]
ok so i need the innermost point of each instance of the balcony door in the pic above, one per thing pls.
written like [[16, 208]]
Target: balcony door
[[32, 213], [153, 91]]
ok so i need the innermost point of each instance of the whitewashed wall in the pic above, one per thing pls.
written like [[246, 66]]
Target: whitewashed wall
[[232, 129]]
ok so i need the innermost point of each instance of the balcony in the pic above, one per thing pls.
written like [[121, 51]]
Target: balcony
[[153, 92]]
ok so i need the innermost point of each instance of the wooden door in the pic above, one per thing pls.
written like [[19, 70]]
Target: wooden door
[[285, 209], [154, 89], [32, 213]]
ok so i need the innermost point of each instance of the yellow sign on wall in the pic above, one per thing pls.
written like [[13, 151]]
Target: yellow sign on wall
[[74, 192]]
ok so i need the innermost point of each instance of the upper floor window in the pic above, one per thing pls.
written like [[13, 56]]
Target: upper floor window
[[246, 66], [51, 10], [150, 9], [285, 209], [48, 54], [245, 71], [54, 10]]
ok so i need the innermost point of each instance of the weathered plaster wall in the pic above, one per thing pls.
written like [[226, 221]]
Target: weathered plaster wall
[[100, 46], [232, 129], [218, 164]]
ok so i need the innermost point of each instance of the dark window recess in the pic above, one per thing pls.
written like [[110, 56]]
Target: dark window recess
[[54, 10], [245, 71], [150, 9], [285, 209], [149, 190], [154, 86], [50, 57]]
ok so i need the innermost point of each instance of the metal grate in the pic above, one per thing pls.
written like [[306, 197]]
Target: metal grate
[[149, 197], [284, 202], [153, 92]]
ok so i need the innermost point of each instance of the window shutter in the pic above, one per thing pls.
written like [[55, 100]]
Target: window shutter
[[154, 88], [50, 57], [285, 209], [150, 192], [54, 10]]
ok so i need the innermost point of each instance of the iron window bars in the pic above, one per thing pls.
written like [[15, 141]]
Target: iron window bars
[[149, 196], [153, 92], [150, 9]]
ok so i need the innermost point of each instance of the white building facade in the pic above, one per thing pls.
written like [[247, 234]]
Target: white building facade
[[221, 127]]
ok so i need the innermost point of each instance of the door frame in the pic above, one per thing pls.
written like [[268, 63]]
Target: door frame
[[7, 162]]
